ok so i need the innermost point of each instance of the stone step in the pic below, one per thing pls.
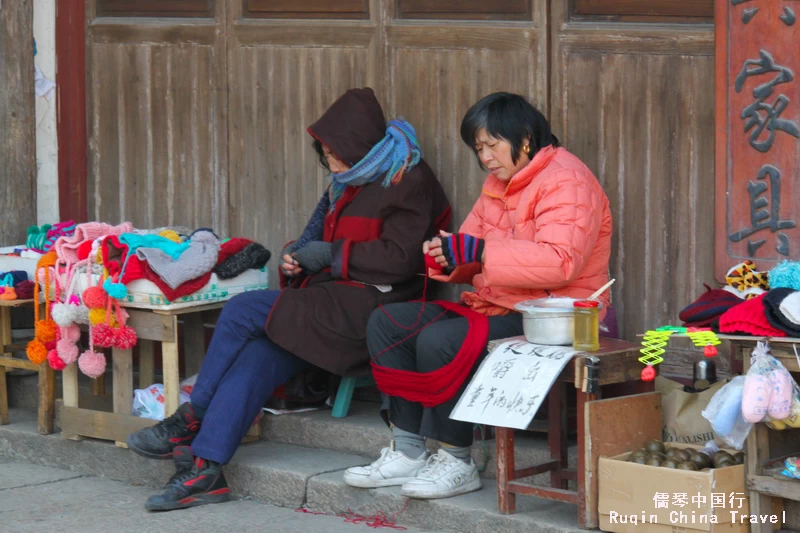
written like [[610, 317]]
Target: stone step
[[290, 476], [364, 433]]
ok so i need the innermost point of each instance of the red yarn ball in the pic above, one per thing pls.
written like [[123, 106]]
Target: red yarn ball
[[45, 330], [649, 373], [92, 364], [95, 298], [431, 263], [125, 338], [55, 361], [37, 353], [710, 350], [103, 335]]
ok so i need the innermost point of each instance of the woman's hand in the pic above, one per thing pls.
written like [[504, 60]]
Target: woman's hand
[[433, 248], [290, 266]]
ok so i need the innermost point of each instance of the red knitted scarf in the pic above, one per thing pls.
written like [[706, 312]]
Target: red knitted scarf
[[434, 388]]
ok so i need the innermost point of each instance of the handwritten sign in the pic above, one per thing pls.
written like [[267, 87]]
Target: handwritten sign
[[758, 133], [511, 384]]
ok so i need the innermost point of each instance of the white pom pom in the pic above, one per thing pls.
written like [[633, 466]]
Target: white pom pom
[[80, 314], [62, 314]]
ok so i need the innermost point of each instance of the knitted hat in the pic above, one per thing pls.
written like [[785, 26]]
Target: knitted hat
[[199, 258], [785, 274], [230, 247], [775, 301], [708, 307], [67, 246], [25, 290], [749, 318], [62, 229], [251, 256]]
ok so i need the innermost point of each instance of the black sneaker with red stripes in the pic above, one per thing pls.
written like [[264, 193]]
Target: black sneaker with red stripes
[[158, 441], [196, 482]]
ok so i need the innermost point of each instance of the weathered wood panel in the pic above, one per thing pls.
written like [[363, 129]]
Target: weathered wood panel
[[643, 121], [157, 133], [276, 93], [17, 122]]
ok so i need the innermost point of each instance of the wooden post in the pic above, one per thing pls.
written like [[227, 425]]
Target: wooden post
[[5, 338], [194, 343], [506, 501], [169, 360], [146, 374], [757, 133], [123, 383]]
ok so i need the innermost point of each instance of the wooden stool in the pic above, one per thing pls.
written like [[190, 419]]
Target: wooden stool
[[47, 377], [615, 362]]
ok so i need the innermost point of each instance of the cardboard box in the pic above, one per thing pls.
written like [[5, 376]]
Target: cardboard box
[[627, 494]]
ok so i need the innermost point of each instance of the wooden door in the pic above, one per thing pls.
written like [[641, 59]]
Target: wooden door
[[17, 122]]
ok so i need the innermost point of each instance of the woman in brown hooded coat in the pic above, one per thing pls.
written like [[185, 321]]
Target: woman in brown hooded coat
[[360, 250]]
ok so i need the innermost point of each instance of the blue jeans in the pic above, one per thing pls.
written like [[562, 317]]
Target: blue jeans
[[241, 369]]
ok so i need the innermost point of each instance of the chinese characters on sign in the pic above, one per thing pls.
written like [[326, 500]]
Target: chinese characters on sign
[[511, 384], [759, 133]]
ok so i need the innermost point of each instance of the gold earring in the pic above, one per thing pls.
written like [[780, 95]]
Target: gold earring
[[526, 149]]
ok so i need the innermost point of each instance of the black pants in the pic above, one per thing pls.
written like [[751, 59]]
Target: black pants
[[432, 349]]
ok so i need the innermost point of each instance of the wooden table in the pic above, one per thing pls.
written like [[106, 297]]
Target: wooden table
[[91, 416], [615, 362], [766, 493], [47, 377]]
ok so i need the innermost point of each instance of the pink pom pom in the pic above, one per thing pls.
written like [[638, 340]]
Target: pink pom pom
[[74, 300], [55, 361], [72, 333], [50, 345], [125, 338], [95, 298], [103, 335], [67, 351], [92, 364]]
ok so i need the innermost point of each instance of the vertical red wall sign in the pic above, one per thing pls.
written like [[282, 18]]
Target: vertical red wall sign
[[757, 132], [71, 109]]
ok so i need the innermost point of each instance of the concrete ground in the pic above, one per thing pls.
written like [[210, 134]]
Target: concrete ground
[[43, 499]]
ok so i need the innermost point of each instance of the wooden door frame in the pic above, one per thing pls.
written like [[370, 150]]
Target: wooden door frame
[[71, 109]]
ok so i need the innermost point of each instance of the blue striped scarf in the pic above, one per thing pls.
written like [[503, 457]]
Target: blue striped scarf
[[394, 155]]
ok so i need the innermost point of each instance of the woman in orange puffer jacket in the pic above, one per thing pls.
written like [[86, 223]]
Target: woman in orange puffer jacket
[[541, 227]]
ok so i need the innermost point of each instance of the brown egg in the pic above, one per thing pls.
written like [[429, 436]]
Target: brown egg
[[723, 456], [687, 465], [670, 463], [654, 446], [658, 455], [684, 455], [672, 452], [701, 460], [739, 458], [654, 461], [638, 459]]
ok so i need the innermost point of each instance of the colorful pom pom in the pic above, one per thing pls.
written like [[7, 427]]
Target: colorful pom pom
[[54, 360], [72, 333], [785, 274], [36, 352], [62, 314], [103, 335], [95, 298], [118, 291], [98, 316], [45, 331], [81, 315], [92, 364], [67, 351], [124, 338]]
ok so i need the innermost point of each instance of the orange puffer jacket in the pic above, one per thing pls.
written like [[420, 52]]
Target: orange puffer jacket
[[547, 233]]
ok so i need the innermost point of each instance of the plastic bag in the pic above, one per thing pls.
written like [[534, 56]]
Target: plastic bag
[[724, 411], [187, 385], [149, 402], [770, 393]]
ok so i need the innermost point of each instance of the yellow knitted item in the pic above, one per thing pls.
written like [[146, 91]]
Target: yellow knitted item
[[98, 316], [171, 235]]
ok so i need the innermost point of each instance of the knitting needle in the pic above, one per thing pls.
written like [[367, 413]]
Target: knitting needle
[[601, 290]]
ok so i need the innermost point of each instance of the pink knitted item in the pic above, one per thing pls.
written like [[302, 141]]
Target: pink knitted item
[[749, 318], [54, 360], [95, 297], [72, 333], [125, 338], [92, 363], [67, 351], [103, 335], [67, 247]]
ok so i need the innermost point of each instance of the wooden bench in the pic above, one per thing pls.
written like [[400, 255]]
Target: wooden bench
[[47, 377]]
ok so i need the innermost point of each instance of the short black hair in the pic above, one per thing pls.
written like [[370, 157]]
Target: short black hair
[[317, 145], [509, 117]]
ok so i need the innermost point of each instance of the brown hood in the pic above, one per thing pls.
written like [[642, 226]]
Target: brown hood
[[352, 125]]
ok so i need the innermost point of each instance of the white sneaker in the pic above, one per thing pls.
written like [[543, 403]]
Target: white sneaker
[[390, 469], [442, 477]]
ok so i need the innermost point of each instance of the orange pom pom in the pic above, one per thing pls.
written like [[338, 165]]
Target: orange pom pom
[[36, 351], [45, 331]]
